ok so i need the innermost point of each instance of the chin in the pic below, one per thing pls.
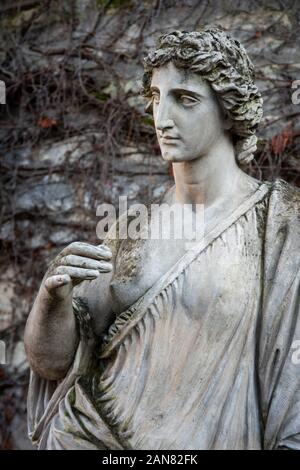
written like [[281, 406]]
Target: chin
[[174, 157]]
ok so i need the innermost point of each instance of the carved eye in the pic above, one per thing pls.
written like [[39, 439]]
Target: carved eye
[[187, 100]]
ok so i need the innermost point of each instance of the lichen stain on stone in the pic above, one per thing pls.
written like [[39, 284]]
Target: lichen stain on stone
[[129, 261]]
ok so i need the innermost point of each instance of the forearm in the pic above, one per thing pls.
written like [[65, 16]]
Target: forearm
[[51, 336]]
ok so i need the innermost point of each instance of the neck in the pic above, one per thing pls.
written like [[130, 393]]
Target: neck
[[209, 177]]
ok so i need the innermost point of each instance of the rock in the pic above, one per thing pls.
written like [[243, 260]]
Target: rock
[[18, 359], [159, 191], [19, 434], [69, 151], [139, 161], [127, 44], [7, 231], [36, 241], [47, 195], [63, 237], [137, 102], [6, 298]]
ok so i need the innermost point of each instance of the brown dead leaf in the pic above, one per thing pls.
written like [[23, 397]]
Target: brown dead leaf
[[281, 141], [46, 123]]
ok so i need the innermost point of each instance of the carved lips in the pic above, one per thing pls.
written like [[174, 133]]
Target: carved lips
[[166, 139]]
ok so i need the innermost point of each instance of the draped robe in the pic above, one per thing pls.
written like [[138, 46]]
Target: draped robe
[[205, 359]]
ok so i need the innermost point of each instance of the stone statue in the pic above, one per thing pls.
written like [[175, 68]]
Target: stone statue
[[153, 344]]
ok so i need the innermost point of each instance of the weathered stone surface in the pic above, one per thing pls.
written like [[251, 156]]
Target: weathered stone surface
[[43, 213], [20, 434], [18, 360], [68, 152], [7, 294], [174, 332], [47, 195]]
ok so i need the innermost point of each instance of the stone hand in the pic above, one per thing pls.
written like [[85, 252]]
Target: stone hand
[[77, 262]]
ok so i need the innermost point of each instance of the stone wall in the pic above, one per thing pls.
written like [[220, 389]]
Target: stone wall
[[74, 133]]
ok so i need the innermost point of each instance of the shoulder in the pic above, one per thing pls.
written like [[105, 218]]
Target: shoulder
[[282, 235], [283, 212], [285, 200]]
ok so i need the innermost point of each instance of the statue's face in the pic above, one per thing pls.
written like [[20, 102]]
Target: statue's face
[[187, 116]]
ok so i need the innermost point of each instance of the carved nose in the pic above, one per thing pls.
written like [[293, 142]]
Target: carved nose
[[163, 125]]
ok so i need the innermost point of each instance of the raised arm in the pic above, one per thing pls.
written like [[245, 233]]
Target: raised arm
[[51, 336]]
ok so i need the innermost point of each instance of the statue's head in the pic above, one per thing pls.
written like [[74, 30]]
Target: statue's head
[[216, 66]]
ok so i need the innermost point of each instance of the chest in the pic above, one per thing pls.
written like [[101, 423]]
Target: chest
[[140, 263], [229, 269]]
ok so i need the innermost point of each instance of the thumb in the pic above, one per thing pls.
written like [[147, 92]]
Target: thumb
[[59, 286]]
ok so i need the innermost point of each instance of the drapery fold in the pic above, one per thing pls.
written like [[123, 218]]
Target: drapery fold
[[203, 359]]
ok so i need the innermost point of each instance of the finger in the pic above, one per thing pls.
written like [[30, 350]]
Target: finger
[[56, 281], [89, 251], [82, 262], [77, 273], [104, 248], [59, 286]]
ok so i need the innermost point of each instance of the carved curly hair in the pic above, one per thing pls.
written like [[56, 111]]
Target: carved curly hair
[[224, 63]]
